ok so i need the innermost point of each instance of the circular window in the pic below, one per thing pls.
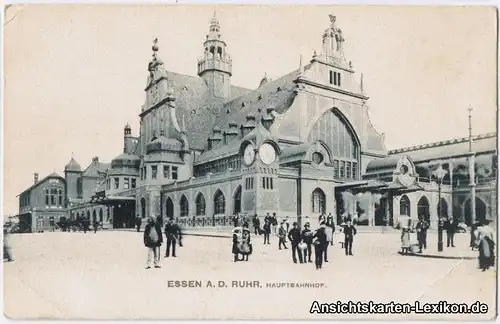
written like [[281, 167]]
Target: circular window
[[317, 157]]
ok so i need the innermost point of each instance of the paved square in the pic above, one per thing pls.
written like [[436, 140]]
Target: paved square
[[103, 276]]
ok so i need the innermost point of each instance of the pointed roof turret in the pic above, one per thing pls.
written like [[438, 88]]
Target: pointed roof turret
[[72, 166]]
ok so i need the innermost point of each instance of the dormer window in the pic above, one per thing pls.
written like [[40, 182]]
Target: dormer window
[[242, 104], [278, 90]]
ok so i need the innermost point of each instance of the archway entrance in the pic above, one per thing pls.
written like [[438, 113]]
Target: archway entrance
[[480, 211], [423, 209], [170, 209], [237, 201], [442, 208]]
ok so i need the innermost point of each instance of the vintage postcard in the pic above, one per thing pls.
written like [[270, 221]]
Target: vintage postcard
[[250, 162]]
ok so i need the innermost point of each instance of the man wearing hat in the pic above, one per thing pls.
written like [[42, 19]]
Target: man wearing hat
[[307, 237], [282, 235], [295, 237], [349, 232]]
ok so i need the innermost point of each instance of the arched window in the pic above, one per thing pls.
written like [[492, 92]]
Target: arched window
[[237, 201], [219, 52], [88, 214], [333, 130], [184, 206], [219, 203], [442, 208], [53, 197], [318, 201], [200, 205], [423, 208], [47, 199], [404, 206], [60, 197], [143, 207]]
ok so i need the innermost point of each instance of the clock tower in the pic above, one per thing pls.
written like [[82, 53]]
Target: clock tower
[[260, 164]]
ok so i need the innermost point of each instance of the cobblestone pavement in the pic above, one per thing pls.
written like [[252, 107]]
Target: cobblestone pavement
[[81, 276]]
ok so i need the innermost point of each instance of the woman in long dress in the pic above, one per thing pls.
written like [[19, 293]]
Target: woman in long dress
[[245, 247], [486, 246], [237, 236], [405, 240]]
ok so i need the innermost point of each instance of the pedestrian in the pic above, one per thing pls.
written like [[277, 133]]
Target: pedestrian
[[153, 240], [287, 225], [256, 224], [486, 246], [138, 223], [173, 235], [349, 232], [421, 229], [307, 238], [320, 242], [96, 226], [331, 224], [282, 236], [237, 239], [450, 227], [473, 229], [245, 248], [7, 248], [274, 223], [267, 231], [405, 240], [295, 237]]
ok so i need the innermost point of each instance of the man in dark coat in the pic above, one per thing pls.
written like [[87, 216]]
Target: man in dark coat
[[267, 231], [295, 238], [256, 224], [421, 228], [307, 237], [349, 232], [173, 234], [450, 226], [138, 222], [320, 243], [153, 240]]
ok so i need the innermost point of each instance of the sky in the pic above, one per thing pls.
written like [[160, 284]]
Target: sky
[[74, 75]]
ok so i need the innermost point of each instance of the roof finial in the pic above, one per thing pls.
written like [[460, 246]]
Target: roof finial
[[155, 47]]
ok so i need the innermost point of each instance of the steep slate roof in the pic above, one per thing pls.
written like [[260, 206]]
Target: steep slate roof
[[281, 100], [52, 175], [196, 106], [433, 151]]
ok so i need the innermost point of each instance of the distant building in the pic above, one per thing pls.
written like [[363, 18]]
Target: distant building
[[43, 203], [299, 145]]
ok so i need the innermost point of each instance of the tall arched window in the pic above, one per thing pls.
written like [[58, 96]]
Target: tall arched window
[[219, 203], [442, 208], [404, 206], [184, 206], [423, 208], [200, 205], [333, 130], [47, 197], [237, 201], [60, 197], [318, 201]]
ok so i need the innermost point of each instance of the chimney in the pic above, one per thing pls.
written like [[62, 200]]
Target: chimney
[[231, 133], [35, 176], [95, 159], [249, 125]]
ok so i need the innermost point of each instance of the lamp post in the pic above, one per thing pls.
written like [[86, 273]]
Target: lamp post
[[439, 174]]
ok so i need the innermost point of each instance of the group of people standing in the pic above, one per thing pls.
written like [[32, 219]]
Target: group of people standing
[[302, 240], [153, 239]]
